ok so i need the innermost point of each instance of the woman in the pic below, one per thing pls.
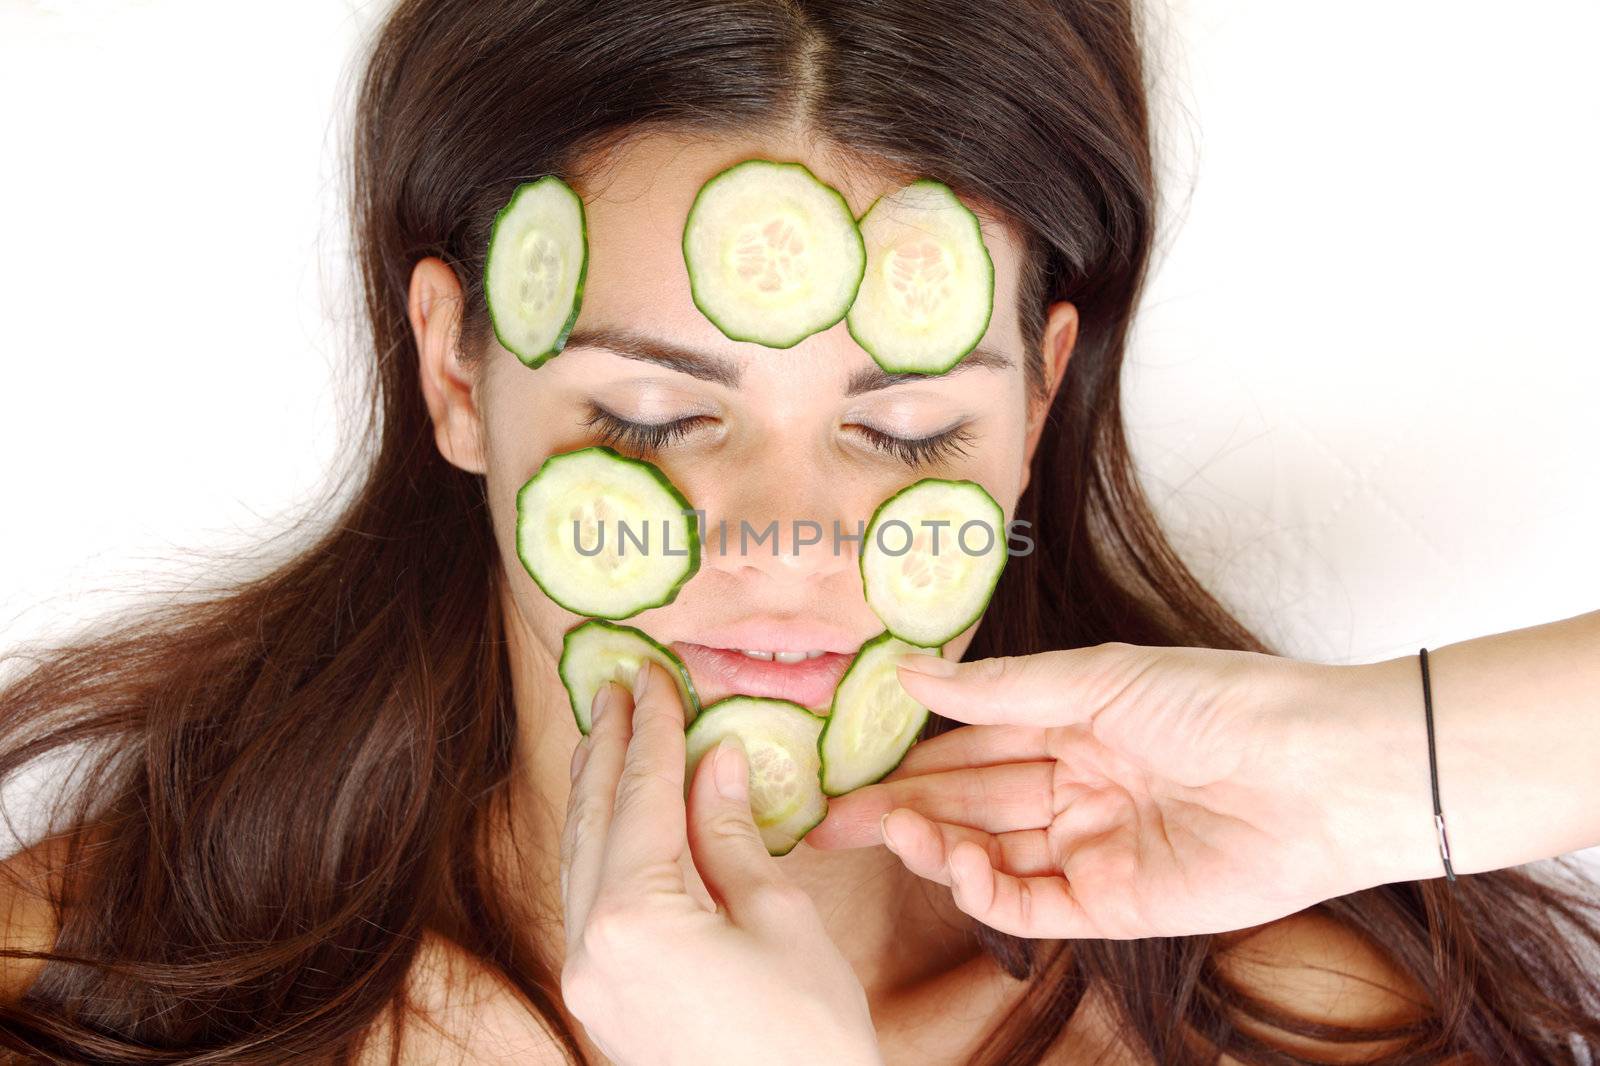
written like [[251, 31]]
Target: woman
[[319, 814]]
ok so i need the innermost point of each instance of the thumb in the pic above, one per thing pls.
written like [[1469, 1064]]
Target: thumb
[[723, 838], [1051, 688]]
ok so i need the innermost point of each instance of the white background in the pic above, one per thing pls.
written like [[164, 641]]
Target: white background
[[1364, 391]]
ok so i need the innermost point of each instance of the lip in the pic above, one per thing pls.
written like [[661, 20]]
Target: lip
[[719, 672], [780, 634]]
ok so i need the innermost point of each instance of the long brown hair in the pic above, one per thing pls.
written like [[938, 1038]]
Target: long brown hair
[[280, 784]]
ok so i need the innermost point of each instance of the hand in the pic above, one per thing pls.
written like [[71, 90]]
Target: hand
[[1145, 791], [655, 974]]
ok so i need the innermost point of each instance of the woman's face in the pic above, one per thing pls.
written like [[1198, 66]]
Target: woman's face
[[810, 434]]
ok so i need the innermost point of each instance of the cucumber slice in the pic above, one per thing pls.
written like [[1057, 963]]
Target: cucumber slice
[[598, 651], [931, 558], [780, 739], [534, 274], [928, 292], [874, 721], [773, 253], [604, 535]]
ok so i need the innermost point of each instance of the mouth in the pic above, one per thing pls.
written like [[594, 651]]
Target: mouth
[[786, 663]]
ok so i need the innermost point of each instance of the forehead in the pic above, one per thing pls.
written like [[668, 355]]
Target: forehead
[[638, 196]]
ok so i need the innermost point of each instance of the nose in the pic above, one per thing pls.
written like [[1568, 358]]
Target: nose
[[780, 521]]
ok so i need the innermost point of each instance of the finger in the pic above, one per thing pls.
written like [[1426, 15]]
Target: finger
[[590, 801], [978, 745], [727, 846], [1046, 689], [924, 847], [1041, 907], [647, 832], [997, 799]]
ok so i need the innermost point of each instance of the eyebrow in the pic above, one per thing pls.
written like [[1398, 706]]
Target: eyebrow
[[872, 378], [632, 344]]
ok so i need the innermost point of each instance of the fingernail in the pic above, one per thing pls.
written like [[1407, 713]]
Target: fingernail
[[929, 665], [732, 779], [641, 681], [603, 699], [580, 755], [883, 831]]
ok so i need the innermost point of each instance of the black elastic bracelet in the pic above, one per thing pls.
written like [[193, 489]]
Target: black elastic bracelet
[[1433, 770]]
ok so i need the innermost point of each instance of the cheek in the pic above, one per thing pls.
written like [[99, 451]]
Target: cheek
[[1000, 460], [517, 443], [1004, 468], [541, 620], [537, 613], [524, 421]]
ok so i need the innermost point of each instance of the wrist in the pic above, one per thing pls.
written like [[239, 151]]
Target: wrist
[[1368, 733]]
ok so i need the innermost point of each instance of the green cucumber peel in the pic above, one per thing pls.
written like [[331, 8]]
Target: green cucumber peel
[[869, 552], [707, 291], [501, 303], [836, 781], [679, 505], [866, 299], [580, 689]]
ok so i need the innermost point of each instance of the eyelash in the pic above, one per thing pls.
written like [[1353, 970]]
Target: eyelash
[[640, 436], [917, 452], [648, 438]]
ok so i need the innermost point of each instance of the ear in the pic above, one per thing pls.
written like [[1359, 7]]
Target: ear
[[434, 307], [1060, 337]]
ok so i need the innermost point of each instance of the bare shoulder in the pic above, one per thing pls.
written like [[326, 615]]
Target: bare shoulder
[[1306, 965], [1313, 967], [29, 882], [462, 1011]]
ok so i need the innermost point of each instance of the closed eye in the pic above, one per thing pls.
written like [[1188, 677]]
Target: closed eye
[[643, 437], [918, 451], [649, 437]]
